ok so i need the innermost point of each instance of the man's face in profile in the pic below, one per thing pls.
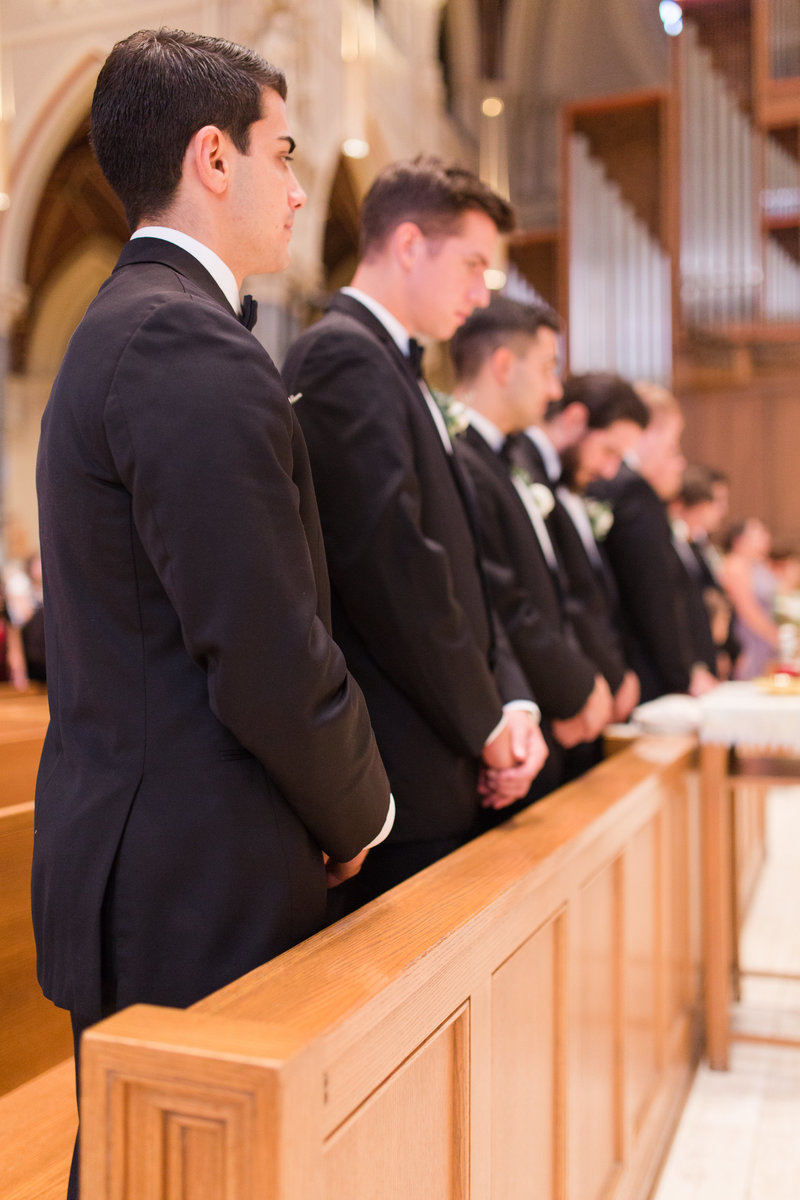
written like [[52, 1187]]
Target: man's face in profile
[[265, 194], [447, 280]]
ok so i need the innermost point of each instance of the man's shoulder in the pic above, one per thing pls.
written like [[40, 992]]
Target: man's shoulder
[[336, 333]]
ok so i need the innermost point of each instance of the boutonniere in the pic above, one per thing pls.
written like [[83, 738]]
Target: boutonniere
[[297, 396], [539, 493], [455, 414], [601, 516]]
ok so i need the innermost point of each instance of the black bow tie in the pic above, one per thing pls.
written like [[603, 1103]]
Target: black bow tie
[[507, 449], [249, 312], [415, 353]]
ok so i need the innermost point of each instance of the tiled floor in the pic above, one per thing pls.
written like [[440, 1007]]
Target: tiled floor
[[739, 1137]]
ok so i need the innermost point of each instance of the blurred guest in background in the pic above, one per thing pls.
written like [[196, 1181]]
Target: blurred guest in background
[[751, 588], [694, 514]]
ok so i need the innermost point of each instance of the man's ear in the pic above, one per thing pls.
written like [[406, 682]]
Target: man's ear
[[501, 362], [407, 241], [208, 154], [574, 420]]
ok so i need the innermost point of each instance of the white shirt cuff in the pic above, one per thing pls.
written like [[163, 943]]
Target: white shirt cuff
[[387, 825], [523, 706]]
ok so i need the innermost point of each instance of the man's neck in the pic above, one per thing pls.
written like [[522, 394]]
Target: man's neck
[[378, 281], [488, 406]]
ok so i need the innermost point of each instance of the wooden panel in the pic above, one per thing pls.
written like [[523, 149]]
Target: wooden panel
[[748, 831], [409, 1140], [753, 434], [527, 1070], [677, 910], [641, 964], [39, 1121], [468, 1033], [36, 1035], [595, 1138]]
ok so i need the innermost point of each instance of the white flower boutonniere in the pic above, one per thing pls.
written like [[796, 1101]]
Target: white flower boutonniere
[[539, 493], [297, 396], [456, 417], [601, 517]]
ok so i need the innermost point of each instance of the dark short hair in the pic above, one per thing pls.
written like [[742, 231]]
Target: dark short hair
[[606, 397], [153, 93], [697, 485], [432, 193], [501, 323]]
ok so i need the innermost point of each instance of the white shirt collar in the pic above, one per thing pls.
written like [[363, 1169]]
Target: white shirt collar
[[487, 429], [219, 271], [398, 331], [552, 459]]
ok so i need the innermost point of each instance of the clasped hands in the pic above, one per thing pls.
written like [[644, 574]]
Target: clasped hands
[[511, 760]]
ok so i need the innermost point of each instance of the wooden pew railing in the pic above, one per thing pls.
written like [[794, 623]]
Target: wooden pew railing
[[35, 1035], [520, 1019]]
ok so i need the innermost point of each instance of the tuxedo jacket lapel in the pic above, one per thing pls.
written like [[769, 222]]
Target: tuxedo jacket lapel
[[158, 250], [354, 308]]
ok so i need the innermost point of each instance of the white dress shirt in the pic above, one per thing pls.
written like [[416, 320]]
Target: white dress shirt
[[402, 337], [552, 459], [219, 271]]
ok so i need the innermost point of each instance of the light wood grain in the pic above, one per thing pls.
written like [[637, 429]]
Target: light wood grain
[[514, 1021], [38, 1122]]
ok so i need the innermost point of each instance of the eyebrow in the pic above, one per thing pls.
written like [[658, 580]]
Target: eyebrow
[[285, 137]]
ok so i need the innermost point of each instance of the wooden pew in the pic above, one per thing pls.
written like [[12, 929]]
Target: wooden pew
[[38, 1120], [35, 1034], [520, 1019]]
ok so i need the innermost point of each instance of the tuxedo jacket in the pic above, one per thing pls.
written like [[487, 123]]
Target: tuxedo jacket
[[524, 590], [409, 605], [649, 575], [694, 582], [591, 601], [206, 740]]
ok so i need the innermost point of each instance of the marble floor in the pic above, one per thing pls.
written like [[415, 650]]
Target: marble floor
[[739, 1137]]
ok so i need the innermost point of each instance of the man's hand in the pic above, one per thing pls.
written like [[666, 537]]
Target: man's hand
[[338, 872], [501, 786], [498, 753], [702, 680], [626, 696], [592, 719]]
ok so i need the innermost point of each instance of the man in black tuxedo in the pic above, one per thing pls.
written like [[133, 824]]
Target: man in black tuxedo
[[207, 748], [409, 599], [695, 513], [506, 362], [598, 420], [649, 575]]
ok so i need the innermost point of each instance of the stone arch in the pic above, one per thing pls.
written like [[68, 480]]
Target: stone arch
[[61, 238], [61, 112]]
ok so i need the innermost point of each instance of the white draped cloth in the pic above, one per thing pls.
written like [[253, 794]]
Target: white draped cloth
[[736, 714]]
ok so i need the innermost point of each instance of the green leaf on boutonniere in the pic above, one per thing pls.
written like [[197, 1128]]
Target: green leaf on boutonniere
[[456, 417], [601, 516]]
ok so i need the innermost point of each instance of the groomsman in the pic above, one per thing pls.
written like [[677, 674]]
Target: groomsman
[[207, 748], [650, 578], [410, 602], [598, 421], [506, 361], [695, 513]]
